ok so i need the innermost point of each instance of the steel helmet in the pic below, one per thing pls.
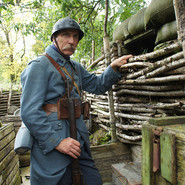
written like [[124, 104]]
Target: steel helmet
[[67, 23]]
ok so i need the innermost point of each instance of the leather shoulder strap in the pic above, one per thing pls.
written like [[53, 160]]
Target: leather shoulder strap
[[57, 66], [75, 84]]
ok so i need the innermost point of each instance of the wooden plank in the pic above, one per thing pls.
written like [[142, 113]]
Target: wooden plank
[[7, 139], [179, 131], [115, 148], [6, 160], [159, 180], [168, 157], [147, 155], [10, 167], [108, 154], [181, 161], [127, 173], [167, 121], [10, 118], [4, 152], [5, 130], [19, 181], [13, 176]]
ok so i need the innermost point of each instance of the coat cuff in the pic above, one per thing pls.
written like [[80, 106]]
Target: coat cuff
[[115, 75], [50, 144]]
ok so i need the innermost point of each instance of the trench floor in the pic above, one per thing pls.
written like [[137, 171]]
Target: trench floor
[[25, 173]]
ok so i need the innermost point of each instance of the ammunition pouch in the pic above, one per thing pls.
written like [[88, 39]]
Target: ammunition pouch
[[80, 108], [62, 104], [62, 108], [86, 110]]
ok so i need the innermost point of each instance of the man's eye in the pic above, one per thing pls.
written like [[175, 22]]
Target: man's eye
[[64, 34]]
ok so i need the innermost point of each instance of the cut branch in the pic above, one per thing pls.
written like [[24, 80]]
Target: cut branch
[[158, 53], [129, 127], [96, 62], [149, 87], [129, 116], [155, 80], [148, 93], [157, 64], [136, 65], [131, 138], [165, 68]]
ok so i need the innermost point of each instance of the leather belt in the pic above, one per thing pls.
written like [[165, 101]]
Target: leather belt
[[49, 108], [84, 109]]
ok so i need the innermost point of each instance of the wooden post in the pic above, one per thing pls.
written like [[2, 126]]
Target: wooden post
[[179, 6], [108, 61], [93, 51], [119, 45], [9, 98], [147, 157]]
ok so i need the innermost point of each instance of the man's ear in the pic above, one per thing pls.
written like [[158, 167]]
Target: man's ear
[[54, 40]]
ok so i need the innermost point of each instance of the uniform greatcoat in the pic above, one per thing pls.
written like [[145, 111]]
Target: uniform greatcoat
[[43, 84]]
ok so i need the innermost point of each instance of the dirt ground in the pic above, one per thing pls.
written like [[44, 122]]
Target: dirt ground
[[25, 173]]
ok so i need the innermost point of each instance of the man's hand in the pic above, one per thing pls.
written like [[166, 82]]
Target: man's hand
[[69, 146], [120, 61]]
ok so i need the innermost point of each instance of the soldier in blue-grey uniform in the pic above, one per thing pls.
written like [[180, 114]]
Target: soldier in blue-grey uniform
[[53, 148]]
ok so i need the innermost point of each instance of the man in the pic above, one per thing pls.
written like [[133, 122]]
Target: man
[[43, 85]]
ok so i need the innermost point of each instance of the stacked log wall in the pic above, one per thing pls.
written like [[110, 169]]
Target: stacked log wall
[[152, 86], [152, 83], [14, 104], [9, 161], [24, 159]]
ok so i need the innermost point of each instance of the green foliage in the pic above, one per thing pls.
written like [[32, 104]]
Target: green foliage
[[38, 47], [100, 137], [90, 15], [12, 44], [21, 18]]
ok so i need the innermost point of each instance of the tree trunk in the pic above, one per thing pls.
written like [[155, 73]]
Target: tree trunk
[[108, 61], [179, 6], [93, 51]]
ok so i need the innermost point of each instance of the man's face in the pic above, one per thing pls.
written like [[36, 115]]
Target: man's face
[[67, 41]]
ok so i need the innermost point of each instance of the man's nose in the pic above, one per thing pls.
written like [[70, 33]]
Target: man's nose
[[71, 40]]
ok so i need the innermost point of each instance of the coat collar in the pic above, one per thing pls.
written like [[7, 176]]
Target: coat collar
[[58, 57]]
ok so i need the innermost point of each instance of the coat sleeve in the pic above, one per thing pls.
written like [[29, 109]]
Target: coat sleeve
[[35, 79], [99, 84]]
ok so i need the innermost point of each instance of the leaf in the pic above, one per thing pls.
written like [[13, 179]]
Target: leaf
[[8, 2], [102, 2], [125, 2], [121, 9]]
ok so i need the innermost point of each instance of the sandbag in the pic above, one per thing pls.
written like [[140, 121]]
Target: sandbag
[[136, 23], [121, 32], [167, 32], [158, 13]]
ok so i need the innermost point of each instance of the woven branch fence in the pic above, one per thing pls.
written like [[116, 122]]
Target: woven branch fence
[[152, 86]]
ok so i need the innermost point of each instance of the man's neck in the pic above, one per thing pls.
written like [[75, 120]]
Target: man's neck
[[56, 49]]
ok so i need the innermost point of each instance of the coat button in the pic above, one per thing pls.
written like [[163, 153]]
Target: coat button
[[60, 124]]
